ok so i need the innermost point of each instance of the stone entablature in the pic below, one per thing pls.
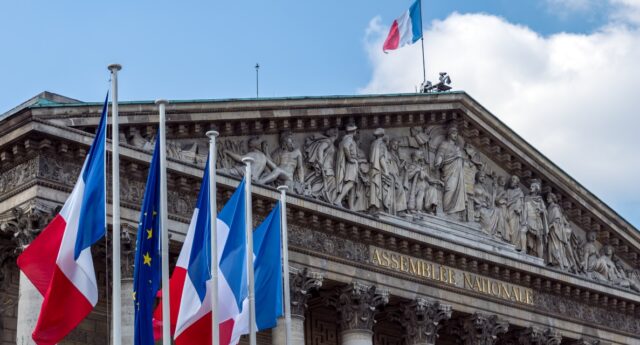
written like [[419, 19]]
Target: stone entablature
[[48, 155]]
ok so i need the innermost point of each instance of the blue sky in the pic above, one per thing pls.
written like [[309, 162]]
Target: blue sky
[[207, 49], [539, 65]]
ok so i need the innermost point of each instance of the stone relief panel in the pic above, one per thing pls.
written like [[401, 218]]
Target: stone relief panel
[[18, 175], [420, 172]]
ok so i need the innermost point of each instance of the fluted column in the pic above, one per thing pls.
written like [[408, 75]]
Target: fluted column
[[479, 329], [357, 305], [24, 226], [127, 261], [301, 283], [421, 319]]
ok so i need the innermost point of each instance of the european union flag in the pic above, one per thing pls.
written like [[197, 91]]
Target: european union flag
[[147, 273]]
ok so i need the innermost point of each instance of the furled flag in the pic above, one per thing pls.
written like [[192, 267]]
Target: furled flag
[[268, 270], [407, 29], [189, 286], [58, 262], [146, 275]]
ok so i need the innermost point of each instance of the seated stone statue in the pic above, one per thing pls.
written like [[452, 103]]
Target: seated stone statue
[[260, 160], [289, 165], [489, 216], [423, 193]]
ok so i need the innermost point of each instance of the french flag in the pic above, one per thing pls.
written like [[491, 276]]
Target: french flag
[[58, 262], [407, 29], [190, 283]]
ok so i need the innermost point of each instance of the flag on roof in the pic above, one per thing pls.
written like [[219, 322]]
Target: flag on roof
[[407, 29]]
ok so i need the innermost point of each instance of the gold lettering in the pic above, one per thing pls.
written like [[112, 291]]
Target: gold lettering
[[515, 293], [403, 266], [413, 266], [529, 297], [467, 280], [452, 277], [385, 257], [429, 270], [376, 258], [495, 289], [504, 293], [443, 275], [394, 262], [477, 285]]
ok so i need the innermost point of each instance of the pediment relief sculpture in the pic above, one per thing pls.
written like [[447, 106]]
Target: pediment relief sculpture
[[418, 173]]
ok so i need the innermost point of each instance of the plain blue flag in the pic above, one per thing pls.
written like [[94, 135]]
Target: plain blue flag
[[146, 276], [268, 270]]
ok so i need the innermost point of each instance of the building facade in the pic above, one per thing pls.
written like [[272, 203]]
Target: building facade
[[413, 219]]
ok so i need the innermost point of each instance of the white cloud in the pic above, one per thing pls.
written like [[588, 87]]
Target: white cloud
[[575, 97]]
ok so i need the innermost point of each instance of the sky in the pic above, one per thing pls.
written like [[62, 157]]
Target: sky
[[563, 74]]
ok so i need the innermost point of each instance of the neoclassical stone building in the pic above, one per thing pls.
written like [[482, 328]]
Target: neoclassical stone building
[[413, 219]]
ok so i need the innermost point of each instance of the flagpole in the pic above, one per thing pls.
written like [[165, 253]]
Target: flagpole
[[285, 262], [115, 203], [424, 68], [213, 208], [249, 234], [164, 228]]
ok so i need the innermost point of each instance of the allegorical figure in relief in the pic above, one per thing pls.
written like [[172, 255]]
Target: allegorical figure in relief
[[321, 156], [260, 160], [589, 253], [490, 217], [626, 278], [380, 189], [604, 269], [559, 250], [535, 215], [347, 167], [515, 208], [397, 167], [450, 160], [289, 163], [423, 195]]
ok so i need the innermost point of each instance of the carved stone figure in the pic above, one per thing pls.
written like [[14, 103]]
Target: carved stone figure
[[604, 269], [559, 249], [347, 167], [260, 160], [500, 200], [320, 153], [515, 209], [397, 168], [381, 192], [357, 305], [625, 278], [450, 160], [423, 194], [589, 253], [289, 163], [491, 218], [421, 319], [137, 140], [535, 232]]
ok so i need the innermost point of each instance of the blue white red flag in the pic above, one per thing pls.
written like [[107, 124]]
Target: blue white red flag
[[58, 262], [407, 29]]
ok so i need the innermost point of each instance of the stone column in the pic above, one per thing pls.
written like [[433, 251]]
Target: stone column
[[421, 319], [24, 225], [301, 283], [127, 262], [534, 336], [479, 329], [357, 305]]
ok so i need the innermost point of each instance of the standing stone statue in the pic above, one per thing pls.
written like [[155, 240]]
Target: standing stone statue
[[559, 249], [289, 164], [450, 160], [381, 192], [423, 195], [515, 209], [347, 167], [320, 153], [589, 253], [472, 164], [397, 169], [500, 199], [535, 219], [490, 217]]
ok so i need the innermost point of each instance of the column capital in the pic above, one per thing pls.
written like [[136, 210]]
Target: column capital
[[534, 336], [584, 341], [127, 252], [479, 329], [357, 305], [24, 223], [421, 320], [301, 283]]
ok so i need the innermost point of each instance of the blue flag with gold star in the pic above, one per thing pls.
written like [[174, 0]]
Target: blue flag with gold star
[[147, 272]]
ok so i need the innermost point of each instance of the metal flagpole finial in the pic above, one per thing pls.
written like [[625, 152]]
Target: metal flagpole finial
[[114, 67], [247, 160], [283, 188], [212, 134], [161, 101]]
